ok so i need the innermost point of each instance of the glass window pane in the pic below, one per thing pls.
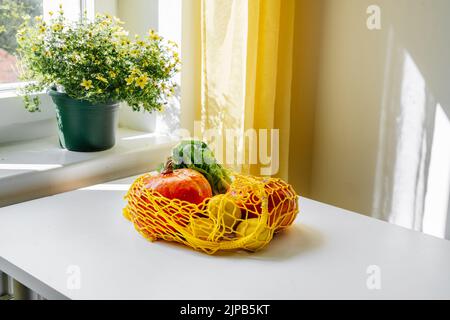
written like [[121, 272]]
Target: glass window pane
[[11, 17]]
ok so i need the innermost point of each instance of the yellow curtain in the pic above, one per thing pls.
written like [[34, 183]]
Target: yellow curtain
[[247, 56]]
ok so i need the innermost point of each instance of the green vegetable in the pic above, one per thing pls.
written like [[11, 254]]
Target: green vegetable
[[194, 154]]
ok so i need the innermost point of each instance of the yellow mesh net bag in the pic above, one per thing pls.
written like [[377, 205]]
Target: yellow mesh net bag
[[246, 217]]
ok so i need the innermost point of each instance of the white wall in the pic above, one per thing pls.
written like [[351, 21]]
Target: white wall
[[164, 16], [139, 15], [106, 6], [381, 137]]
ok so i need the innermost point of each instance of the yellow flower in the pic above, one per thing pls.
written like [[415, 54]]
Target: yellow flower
[[153, 35], [173, 43], [135, 71], [57, 27], [102, 79], [75, 57], [38, 18], [121, 33], [87, 84], [50, 13], [129, 80], [134, 53], [41, 29], [34, 48], [105, 23], [142, 81], [112, 74]]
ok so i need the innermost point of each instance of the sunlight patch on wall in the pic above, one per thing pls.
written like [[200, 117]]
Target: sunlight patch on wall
[[26, 166], [409, 153], [108, 187], [140, 136], [438, 186]]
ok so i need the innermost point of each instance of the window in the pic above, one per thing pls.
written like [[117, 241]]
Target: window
[[12, 13], [11, 17], [165, 16]]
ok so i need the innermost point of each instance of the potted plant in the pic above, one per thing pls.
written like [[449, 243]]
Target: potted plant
[[88, 68]]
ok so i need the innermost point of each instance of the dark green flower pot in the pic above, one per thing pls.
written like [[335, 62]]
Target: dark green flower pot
[[83, 126]]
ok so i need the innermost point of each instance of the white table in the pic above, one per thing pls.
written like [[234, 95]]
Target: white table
[[324, 255]]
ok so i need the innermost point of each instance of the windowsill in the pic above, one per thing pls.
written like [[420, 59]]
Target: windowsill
[[39, 168], [9, 94], [11, 90]]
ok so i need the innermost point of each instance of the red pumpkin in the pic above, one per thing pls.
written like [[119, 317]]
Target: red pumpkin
[[282, 202], [183, 184]]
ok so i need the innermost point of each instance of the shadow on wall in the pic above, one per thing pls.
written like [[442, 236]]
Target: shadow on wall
[[382, 128]]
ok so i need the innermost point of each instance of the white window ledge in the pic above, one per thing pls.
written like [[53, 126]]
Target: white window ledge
[[40, 168]]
